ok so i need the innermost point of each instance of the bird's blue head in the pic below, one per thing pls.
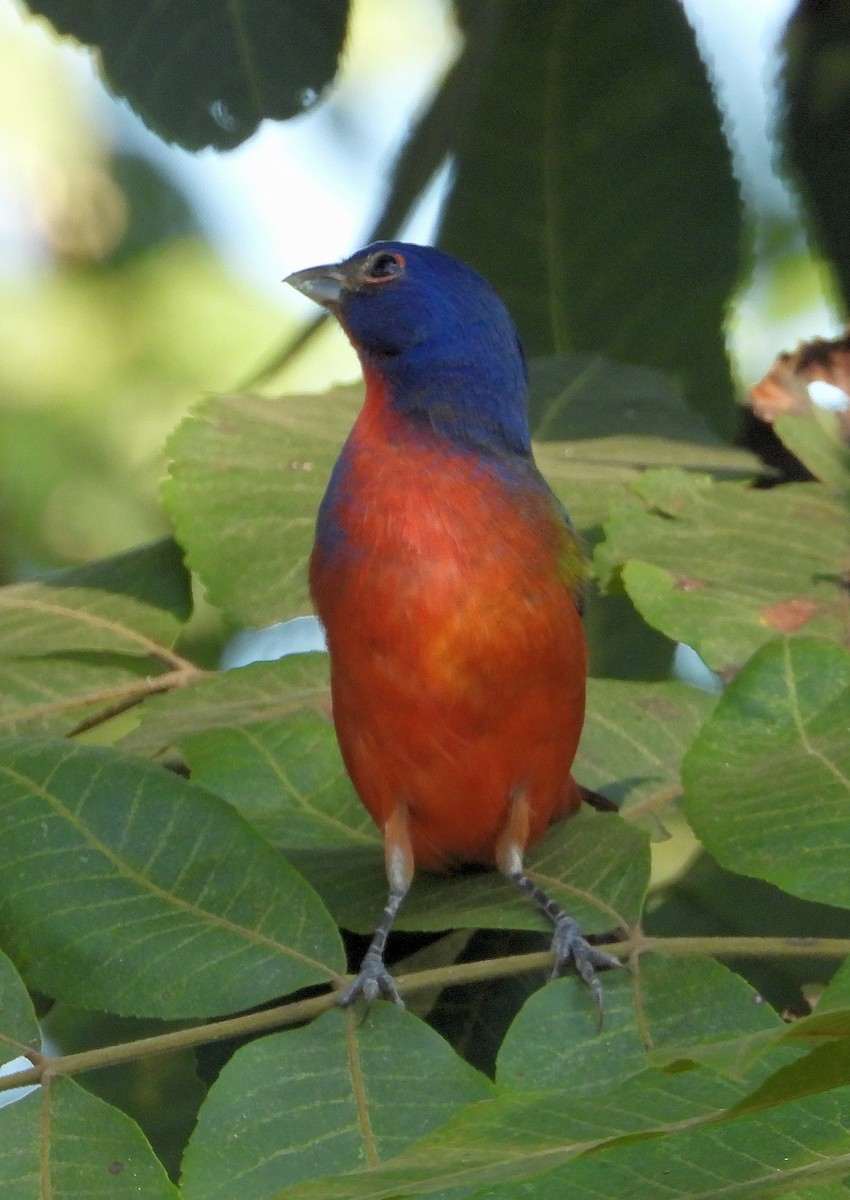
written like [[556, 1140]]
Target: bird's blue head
[[439, 336]]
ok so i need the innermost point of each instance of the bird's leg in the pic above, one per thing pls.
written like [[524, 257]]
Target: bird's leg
[[374, 979], [568, 943]]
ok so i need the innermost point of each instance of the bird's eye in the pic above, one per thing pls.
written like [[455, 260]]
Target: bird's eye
[[383, 266]]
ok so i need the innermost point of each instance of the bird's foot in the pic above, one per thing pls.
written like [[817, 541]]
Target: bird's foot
[[374, 981], [569, 946]]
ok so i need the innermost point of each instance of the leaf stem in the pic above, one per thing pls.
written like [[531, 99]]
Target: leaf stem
[[130, 695], [123, 697]]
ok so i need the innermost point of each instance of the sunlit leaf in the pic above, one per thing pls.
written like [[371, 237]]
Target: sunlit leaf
[[245, 482], [767, 780], [248, 472], [816, 440], [724, 568]]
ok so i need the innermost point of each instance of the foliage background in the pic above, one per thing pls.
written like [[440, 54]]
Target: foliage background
[[589, 172]]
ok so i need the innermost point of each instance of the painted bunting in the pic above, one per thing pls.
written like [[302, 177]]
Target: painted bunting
[[448, 579]]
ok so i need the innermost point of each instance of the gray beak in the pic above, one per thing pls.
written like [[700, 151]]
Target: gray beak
[[325, 285]]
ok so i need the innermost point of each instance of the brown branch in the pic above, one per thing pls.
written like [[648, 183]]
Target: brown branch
[[460, 973]]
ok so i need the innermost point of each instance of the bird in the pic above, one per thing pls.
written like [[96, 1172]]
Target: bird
[[449, 581]]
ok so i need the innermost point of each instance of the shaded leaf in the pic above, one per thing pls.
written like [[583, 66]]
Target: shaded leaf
[[161, 1093], [575, 186], [154, 574], [667, 1004], [589, 396], [816, 117], [61, 1141], [18, 1025], [707, 901], [205, 72], [633, 740], [211, 919], [595, 865], [767, 780], [474, 1017], [80, 640], [640, 1129], [724, 568], [354, 1095], [260, 692]]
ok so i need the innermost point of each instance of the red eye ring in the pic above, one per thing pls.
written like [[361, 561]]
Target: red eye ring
[[383, 266]]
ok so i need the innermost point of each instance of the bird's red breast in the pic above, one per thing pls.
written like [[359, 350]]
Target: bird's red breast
[[458, 656]]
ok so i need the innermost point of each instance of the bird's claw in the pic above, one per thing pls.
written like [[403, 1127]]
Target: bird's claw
[[373, 981], [569, 946]]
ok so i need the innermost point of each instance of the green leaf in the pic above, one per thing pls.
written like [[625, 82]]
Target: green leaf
[[61, 1141], [767, 780], [815, 438], [707, 901], [128, 889], [287, 778], [577, 186], [84, 639], [354, 1095], [667, 1005], [837, 994], [533, 1136], [154, 574], [595, 865], [48, 618], [588, 396], [724, 568], [617, 419], [49, 695], [816, 111], [823, 1069], [824, 1191], [261, 737], [657, 1130], [475, 1016], [18, 1025], [206, 73], [633, 740], [755, 1156], [260, 692], [245, 482], [249, 472]]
